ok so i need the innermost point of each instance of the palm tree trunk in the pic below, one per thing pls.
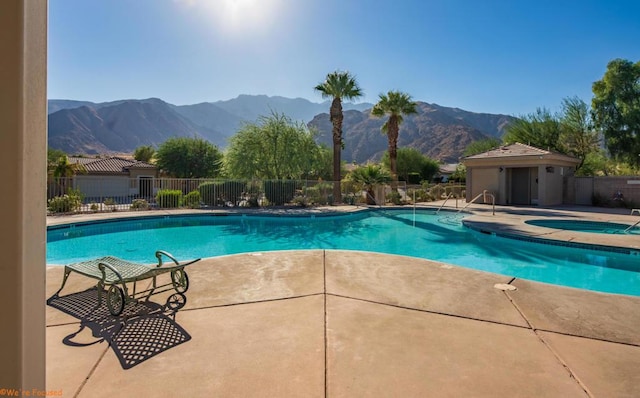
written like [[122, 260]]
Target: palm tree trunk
[[336, 121], [392, 135]]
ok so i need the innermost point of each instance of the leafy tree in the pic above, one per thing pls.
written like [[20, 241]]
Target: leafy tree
[[64, 168], [578, 135], [460, 174], [412, 161], [481, 146], [616, 109], [396, 104], [338, 86], [323, 165], [144, 153], [370, 176], [540, 129], [274, 148], [184, 157], [53, 155], [429, 169]]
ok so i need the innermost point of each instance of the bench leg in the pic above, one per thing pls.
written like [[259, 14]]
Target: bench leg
[[67, 271]]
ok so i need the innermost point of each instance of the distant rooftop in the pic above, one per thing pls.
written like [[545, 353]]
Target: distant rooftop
[[110, 165], [517, 150]]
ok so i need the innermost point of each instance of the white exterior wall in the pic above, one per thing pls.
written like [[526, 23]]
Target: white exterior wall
[[102, 186]]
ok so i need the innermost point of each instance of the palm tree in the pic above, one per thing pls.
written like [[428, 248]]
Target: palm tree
[[338, 85], [370, 176], [395, 104], [63, 170]]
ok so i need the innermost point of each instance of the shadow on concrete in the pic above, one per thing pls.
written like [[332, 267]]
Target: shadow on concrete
[[142, 331]]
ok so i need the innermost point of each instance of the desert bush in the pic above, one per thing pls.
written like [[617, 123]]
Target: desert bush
[[217, 193], [301, 201], [169, 198], [420, 195], [139, 204], [66, 203], [192, 199], [437, 191], [319, 193], [394, 197], [279, 192], [110, 203]]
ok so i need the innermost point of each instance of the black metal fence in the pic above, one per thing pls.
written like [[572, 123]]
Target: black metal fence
[[81, 194]]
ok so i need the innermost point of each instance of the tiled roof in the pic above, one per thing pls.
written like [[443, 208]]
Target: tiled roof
[[83, 161], [114, 165], [141, 165], [512, 150]]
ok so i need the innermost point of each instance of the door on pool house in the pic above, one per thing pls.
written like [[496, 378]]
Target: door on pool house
[[524, 185]]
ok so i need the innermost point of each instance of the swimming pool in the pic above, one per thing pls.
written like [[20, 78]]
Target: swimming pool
[[422, 234], [599, 227]]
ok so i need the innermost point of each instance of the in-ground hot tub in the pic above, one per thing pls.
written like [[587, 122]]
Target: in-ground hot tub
[[598, 227]]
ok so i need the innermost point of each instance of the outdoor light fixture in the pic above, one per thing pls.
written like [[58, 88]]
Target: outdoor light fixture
[[550, 169]]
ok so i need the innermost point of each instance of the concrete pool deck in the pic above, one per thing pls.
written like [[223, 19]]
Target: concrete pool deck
[[351, 324]]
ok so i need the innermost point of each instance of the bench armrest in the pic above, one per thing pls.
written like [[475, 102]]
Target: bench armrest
[[102, 265], [160, 253]]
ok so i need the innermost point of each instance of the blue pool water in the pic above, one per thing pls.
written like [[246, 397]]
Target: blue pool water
[[421, 234]]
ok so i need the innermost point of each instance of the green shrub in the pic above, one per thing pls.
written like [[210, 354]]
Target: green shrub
[[231, 191], [394, 197], [420, 195], [300, 201], [139, 204], [217, 193], [437, 191], [64, 204], [94, 207], [414, 178], [279, 192], [192, 199], [169, 198], [110, 203], [208, 193], [319, 193]]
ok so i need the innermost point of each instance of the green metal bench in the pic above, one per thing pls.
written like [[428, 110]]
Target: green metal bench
[[115, 273]]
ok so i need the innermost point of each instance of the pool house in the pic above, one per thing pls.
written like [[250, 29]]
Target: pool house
[[518, 174]]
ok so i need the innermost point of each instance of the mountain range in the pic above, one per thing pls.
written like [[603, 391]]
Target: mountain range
[[83, 127]]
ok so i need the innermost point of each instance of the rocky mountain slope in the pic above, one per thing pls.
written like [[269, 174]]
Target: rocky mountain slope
[[121, 127], [439, 132], [82, 127]]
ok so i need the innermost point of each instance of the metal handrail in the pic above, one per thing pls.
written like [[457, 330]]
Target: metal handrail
[[484, 194], [633, 226], [443, 203]]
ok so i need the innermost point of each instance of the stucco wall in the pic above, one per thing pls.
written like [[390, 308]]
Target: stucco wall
[[551, 185], [23, 139], [482, 179]]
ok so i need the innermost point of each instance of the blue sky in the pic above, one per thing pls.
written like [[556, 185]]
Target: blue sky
[[496, 56]]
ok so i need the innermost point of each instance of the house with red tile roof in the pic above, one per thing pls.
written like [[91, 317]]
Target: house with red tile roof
[[115, 177]]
